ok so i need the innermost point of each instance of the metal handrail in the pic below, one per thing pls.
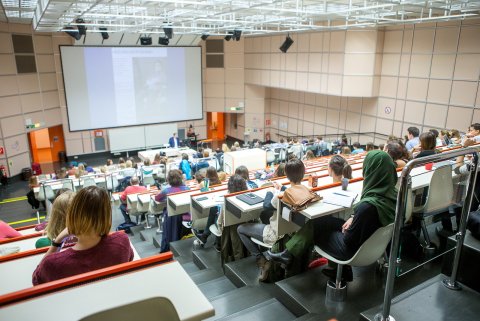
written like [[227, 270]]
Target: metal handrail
[[405, 185]]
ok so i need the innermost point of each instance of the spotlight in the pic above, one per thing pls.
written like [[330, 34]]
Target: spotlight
[[82, 30], [286, 44], [73, 32], [204, 37], [145, 41], [168, 32], [237, 34], [229, 36], [104, 33], [163, 41]]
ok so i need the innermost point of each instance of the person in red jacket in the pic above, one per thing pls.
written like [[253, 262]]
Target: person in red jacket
[[134, 188], [89, 219]]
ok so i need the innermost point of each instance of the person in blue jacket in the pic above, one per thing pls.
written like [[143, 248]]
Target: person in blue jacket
[[185, 167], [173, 141]]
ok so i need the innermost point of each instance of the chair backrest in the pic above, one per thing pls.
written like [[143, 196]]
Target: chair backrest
[[88, 181], [112, 182], [440, 192], [148, 180], [45, 193], [68, 184], [152, 309], [132, 207], [156, 208], [373, 247], [270, 156]]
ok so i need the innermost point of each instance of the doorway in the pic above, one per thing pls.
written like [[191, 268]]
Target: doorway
[[45, 144], [216, 126]]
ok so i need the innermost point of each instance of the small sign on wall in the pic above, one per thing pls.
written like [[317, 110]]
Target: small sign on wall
[[2, 150], [98, 133]]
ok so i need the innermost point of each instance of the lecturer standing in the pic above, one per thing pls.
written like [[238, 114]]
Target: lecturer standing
[[173, 141]]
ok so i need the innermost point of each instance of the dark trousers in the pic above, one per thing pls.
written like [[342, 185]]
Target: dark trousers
[[327, 232], [172, 230], [123, 209], [248, 230]]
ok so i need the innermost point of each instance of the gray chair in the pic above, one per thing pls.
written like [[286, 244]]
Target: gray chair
[[368, 253], [439, 198]]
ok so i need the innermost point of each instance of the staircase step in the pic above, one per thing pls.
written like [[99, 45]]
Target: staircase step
[[148, 234], [243, 272], [469, 264], [136, 229], [268, 310], [206, 258], [157, 240], [150, 252], [203, 276], [183, 259], [190, 267], [309, 317], [431, 300], [238, 300], [182, 247], [216, 287]]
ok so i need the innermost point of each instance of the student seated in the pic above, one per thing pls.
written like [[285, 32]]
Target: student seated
[[185, 167], [212, 177], [338, 168], [7, 232], [398, 152], [279, 171], [243, 171], [357, 149], [369, 147], [58, 218], [172, 225], [309, 155], [231, 246], [134, 188], [427, 145], [268, 233], [346, 151], [340, 238], [89, 218]]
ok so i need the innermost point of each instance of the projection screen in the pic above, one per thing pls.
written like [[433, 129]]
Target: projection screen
[[107, 87]]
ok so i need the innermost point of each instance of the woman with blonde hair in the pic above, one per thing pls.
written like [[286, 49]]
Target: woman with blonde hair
[[89, 219], [80, 171], [225, 148], [57, 221]]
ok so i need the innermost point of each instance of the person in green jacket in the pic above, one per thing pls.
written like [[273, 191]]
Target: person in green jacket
[[340, 238]]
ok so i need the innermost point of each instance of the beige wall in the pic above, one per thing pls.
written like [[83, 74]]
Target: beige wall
[[341, 63], [36, 97], [429, 78]]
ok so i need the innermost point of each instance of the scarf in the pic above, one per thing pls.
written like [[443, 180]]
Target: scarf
[[379, 182]]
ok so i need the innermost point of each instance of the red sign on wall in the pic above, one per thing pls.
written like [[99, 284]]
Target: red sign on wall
[[267, 122], [2, 150]]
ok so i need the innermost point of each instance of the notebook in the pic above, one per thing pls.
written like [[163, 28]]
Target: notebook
[[250, 198]]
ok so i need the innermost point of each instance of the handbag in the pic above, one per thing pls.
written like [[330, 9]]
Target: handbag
[[299, 197]]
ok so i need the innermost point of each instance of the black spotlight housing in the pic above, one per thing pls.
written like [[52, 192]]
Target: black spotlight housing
[[72, 32], [163, 41], [229, 36], [204, 37], [104, 33], [286, 44], [82, 30], [237, 34], [145, 41], [168, 32]]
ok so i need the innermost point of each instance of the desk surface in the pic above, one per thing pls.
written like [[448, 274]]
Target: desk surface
[[168, 280], [24, 267]]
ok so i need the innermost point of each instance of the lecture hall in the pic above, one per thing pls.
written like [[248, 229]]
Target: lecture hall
[[226, 160]]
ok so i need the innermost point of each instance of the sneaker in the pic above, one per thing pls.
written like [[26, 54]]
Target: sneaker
[[187, 224], [9, 250], [200, 237], [215, 231]]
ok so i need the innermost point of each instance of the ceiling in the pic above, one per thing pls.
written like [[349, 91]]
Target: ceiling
[[218, 17]]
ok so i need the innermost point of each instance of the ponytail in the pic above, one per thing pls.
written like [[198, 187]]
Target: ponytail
[[347, 171]]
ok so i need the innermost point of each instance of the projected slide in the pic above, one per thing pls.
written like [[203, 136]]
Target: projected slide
[[109, 87]]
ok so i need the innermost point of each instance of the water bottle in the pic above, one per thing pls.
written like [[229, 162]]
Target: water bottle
[[272, 168]]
